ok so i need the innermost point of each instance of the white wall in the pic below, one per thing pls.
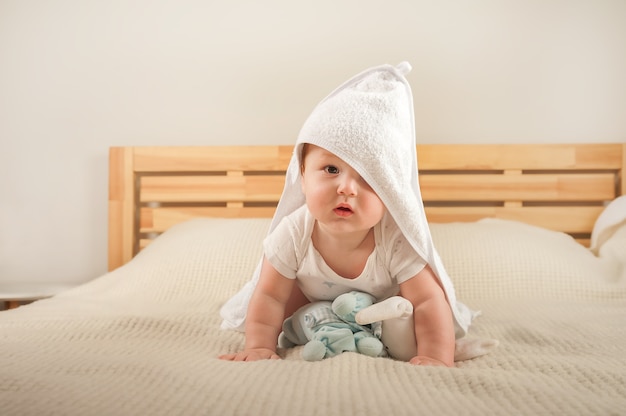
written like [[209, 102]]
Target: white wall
[[78, 76]]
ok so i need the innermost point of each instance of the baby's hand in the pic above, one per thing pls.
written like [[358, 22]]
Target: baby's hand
[[254, 354], [423, 360]]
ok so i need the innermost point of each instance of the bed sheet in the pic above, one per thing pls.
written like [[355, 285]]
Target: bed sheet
[[144, 339]]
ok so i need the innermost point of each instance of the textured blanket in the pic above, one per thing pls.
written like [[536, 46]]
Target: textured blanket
[[144, 339]]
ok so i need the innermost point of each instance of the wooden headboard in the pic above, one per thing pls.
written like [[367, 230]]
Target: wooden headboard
[[557, 186]]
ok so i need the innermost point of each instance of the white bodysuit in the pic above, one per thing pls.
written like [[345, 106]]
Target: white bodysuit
[[289, 248]]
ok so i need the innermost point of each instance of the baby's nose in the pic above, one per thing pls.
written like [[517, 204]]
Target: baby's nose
[[347, 186]]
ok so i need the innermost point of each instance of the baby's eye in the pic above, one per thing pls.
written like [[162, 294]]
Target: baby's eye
[[333, 170]]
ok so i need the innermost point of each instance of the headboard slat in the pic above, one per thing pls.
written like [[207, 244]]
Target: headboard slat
[[573, 220], [227, 188], [520, 156], [162, 218], [527, 187], [211, 158]]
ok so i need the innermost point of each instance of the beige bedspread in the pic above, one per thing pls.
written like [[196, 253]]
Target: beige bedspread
[[144, 339]]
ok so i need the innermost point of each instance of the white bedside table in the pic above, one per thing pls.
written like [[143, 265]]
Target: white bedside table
[[13, 294]]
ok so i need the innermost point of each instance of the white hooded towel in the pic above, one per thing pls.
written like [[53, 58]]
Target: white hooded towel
[[368, 122]]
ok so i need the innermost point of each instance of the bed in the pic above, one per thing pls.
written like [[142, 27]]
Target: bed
[[533, 235]]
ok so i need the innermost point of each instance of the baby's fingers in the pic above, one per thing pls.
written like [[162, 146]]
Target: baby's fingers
[[427, 361], [250, 355]]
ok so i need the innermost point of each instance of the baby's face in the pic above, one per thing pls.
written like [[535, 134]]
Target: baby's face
[[336, 194]]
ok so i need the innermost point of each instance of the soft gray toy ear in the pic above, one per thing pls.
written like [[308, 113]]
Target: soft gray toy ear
[[287, 338]]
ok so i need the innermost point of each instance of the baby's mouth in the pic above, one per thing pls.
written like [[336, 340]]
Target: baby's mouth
[[343, 210]]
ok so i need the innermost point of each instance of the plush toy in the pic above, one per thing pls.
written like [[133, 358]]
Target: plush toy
[[327, 328], [353, 322]]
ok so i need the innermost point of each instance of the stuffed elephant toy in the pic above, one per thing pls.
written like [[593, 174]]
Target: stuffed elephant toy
[[328, 328]]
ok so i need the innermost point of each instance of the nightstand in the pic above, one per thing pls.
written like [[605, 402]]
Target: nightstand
[[14, 294]]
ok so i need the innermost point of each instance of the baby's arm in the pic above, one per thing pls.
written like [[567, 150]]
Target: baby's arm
[[265, 316], [434, 327]]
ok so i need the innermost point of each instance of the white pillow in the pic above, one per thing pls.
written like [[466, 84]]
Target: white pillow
[[610, 220], [499, 259]]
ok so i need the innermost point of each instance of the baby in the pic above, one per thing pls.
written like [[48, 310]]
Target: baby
[[351, 218]]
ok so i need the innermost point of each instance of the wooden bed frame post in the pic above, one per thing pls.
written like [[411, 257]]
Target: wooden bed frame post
[[122, 218], [622, 175]]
